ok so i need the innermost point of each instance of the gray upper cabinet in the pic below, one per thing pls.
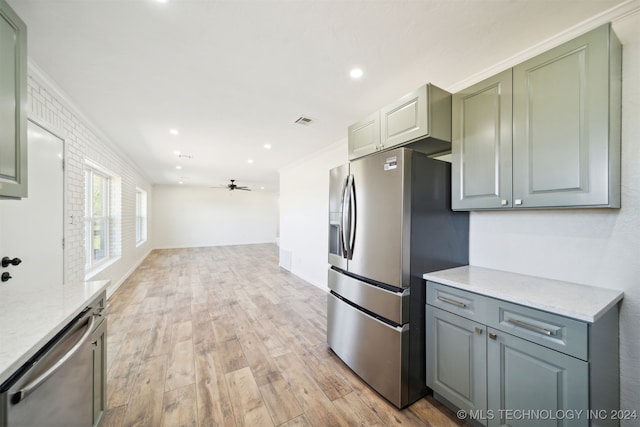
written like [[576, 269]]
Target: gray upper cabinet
[[364, 136], [13, 104], [566, 133], [482, 144], [550, 139], [423, 113]]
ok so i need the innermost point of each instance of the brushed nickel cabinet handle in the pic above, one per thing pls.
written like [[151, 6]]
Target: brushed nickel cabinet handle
[[530, 327], [479, 331], [493, 336], [451, 301]]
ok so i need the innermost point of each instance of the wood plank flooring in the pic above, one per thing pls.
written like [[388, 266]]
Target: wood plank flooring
[[222, 336]]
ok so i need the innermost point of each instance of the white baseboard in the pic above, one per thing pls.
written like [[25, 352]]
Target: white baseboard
[[114, 287], [214, 245]]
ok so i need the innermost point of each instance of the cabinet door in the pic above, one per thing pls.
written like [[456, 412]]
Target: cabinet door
[[523, 376], [566, 124], [406, 119], [364, 136], [99, 341], [456, 359], [481, 145], [13, 104]]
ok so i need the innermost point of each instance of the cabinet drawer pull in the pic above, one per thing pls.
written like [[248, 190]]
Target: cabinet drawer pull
[[493, 336], [530, 327], [454, 302]]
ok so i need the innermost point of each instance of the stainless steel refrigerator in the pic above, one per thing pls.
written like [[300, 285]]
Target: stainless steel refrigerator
[[390, 221]]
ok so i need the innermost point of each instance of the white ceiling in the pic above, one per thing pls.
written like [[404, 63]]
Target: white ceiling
[[233, 75]]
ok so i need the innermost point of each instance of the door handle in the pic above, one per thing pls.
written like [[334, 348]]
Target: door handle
[[452, 302], [343, 220], [352, 216], [530, 327], [6, 261]]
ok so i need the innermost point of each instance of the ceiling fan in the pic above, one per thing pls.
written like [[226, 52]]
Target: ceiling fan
[[233, 186]]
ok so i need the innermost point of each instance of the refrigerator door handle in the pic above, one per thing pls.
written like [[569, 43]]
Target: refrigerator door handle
[[344, 220], [352, 215]]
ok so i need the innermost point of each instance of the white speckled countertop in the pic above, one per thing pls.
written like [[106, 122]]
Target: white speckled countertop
[[581, 302], [30, 317]]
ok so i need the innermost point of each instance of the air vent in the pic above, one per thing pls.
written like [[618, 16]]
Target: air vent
[[304, 121]]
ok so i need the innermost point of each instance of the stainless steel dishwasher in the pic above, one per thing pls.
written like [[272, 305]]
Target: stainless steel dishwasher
[[55, 387]]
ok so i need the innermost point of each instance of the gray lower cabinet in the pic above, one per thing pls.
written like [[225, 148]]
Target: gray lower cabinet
[[544, 134], [13, 104], [99, 343], [457, 360], [525, 376], [507, 364]]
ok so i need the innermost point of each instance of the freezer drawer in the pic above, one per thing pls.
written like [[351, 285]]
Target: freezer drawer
[[393, 306], [376, 351]]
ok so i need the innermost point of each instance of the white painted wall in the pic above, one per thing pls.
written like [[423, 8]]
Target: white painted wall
[[304, 204], [202, 216], [49, 107], [595, 246]]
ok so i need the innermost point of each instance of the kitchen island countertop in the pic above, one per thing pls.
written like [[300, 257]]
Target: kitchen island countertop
[[581, 302], [30, 317]]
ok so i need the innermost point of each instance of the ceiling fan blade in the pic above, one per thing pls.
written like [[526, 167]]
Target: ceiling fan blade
[[243, 188]]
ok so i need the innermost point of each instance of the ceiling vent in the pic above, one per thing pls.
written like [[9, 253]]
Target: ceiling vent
[[304, 121]]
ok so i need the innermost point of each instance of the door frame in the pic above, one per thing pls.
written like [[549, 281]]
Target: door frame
[[53, 130]]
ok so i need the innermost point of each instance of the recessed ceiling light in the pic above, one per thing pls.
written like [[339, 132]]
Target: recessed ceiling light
[[249, 161], [356, 73], [178, 167], [162, 1], [262, 188], [180, 182], [177, 153], [173, 131], [267, 146]]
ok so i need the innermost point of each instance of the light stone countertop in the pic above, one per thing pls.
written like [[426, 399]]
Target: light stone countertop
[[581, 302], [30, 317]]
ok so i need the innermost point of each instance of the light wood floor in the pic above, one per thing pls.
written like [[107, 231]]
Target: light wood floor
[[223, 337]]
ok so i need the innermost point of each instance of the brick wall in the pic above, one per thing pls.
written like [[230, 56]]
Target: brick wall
[[51, 109]]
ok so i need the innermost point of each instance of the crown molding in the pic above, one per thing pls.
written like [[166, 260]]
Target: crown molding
[[43, 79], [612, 15]]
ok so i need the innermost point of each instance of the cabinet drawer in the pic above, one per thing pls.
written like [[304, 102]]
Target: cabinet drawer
[[463, 303], [560, 333]]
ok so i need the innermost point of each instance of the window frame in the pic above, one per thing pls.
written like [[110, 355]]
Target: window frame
[[141, 216], [90, 172]]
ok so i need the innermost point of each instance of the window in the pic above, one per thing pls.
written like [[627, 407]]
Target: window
[[141, 216], [97, 217]]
